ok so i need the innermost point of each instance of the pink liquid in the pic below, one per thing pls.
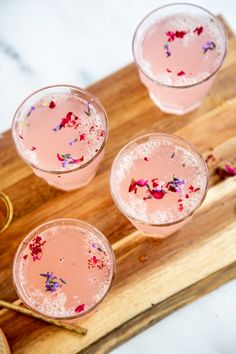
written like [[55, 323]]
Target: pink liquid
[[158, 160], [78, 256], [61, 133], [186, 58]]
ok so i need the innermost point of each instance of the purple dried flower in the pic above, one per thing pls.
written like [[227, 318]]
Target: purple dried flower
[[174, 186], [73, 141], [166, 47], [209, 45], [30, 111], [88, 112], [51, 284]]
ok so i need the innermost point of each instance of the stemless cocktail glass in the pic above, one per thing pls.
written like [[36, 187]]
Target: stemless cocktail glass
[[178, 49], [158, 181], [63, 269], [61, 131]]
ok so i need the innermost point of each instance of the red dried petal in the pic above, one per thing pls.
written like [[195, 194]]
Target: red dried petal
[[191, 188], [59, 157], [25, 256], [181, 73], [180, 207], [196, 189], [154, 183], [33, 148], [80, 308], [230, 170], [52, 105], [68, 116], [146, 159], [186, 196], [95, 260], [171, 36], [180, 34], [38, 239], [157, 194], [132, 186], [141, 182], [78, 160], [168, 70], [82, 137], [198, 30]]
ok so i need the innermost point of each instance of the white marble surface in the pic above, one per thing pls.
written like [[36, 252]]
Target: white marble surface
[[78, 42]]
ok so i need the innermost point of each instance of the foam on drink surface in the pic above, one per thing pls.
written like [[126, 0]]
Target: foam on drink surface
[[159, 159], [62, 137], [80, 258], [186, 54]]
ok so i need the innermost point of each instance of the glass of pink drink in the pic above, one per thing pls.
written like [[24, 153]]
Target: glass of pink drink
[[178, 49], [63, 269], [158, 181], [61, 131]]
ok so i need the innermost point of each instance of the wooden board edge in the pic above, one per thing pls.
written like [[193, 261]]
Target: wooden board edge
[[157, 312]]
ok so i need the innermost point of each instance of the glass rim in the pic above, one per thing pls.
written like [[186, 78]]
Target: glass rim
[[30, 235], [190, 213], [219, 23], [81, 91]]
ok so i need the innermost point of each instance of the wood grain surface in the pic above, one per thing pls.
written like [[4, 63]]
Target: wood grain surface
[[177, 270]]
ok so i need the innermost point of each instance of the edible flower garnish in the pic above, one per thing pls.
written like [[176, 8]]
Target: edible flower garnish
[[177, 34], [181, 73], [70, 121], [198, 30], [208, 46], [174, 185], [67, 159], [52, 283], [80, 308], [52, 105], [167, 49], [30, 111], [226, 171], [88, 112], [36, 249]]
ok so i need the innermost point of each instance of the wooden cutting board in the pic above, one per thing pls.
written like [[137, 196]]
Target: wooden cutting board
[[174, 271]]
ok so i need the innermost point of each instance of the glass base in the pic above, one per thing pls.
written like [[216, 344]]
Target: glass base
[[70, 187], [172, 110]]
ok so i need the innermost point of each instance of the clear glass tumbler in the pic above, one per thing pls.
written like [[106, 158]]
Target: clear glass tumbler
[[63, 269], [61, 132], [178, 49], [158, 181]]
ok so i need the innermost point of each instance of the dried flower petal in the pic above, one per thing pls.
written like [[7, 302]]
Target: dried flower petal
[[133, 186], [226, 171], [167, 49], [180, 207], [180, 34], [52, 105], [177, 34], [157, 194], [51, 283], [181, 73], [198, 30], [210, 45], [30, 111], [82, 137], [141, 182], [171, 36], [80, 308], [168, 70]]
